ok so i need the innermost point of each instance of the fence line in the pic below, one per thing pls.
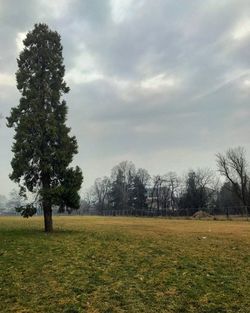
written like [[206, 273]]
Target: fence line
[[227, 212]]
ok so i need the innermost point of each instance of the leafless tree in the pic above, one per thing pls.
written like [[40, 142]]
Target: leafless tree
[[199, 189], [101, 191], [233, 166], [15, 199], [144, 176], [88, 201], [127, 169], [173, 183], [154, 192], [165, 191], [207, 180], [126, 172]]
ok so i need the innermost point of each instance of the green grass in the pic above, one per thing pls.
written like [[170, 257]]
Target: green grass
[[97, 264]]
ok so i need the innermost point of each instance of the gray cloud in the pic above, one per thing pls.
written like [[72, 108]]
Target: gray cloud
[[164, 83]]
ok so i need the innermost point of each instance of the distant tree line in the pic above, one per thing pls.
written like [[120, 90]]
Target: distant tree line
[[131, 191], [9, 204]]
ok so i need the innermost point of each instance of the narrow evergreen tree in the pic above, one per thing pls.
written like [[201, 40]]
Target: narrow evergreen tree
[[118, 192], [43, 148], [139, 193]]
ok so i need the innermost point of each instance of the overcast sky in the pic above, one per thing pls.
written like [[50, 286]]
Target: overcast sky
[[163, 83]]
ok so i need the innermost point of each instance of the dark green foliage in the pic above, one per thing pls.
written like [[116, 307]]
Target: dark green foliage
[[27, 210], [139, 193], [195, 195], [118, 192], [128, 189], [228, 202], [42, 147], [69, 197]]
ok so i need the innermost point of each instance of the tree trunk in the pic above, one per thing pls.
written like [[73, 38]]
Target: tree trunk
[[48, 224], [46, 203]]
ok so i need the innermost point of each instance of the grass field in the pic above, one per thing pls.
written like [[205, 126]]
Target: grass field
[[97, 264]]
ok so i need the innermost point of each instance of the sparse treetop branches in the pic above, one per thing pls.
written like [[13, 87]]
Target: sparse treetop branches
[[233, 166], [43, 147], [101, 192], [199, 190]]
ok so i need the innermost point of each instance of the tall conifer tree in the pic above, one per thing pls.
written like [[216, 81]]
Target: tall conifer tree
[[43, 147]]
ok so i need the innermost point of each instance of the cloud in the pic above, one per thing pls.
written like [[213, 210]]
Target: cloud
[[19, 41], [164, 83], [52, 9], [121, 9], [242, 30], [7, 80], [158, 82]]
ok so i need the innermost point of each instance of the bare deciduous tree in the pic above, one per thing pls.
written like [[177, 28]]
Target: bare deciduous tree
[[164, 191], [127, 169], [101, 191], [173, 183], [143, 175], [233, 166], [122, 176]]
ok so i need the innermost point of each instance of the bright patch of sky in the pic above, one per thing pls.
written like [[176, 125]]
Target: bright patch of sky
[[7, 79], [242, 30], [158, 82], [54, 8], [121, 9], [19, 41]]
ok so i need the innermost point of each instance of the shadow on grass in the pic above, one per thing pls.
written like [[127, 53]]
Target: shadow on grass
[[30, 232]]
